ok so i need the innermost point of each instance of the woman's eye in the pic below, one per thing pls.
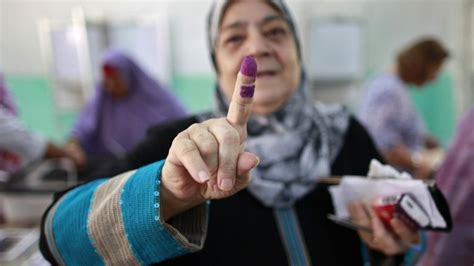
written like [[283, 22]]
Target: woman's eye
[[234, 39], [276, 32]]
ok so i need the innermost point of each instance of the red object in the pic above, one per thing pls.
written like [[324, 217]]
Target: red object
[[403, 207], [9, 162], [385, 211], [109, 71]]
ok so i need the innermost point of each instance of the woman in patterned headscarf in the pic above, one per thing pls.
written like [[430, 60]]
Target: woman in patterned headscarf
[[278, 217]]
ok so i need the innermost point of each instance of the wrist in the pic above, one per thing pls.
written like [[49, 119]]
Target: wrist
[[172, 205]]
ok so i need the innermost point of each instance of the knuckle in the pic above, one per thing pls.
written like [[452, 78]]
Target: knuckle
[[186, 147], [182, 135], [213, 121], [227, 170], [228, 166], [175, 143], [178, 140], [194, 127], [202, 136], [230, 136], [208, 146]]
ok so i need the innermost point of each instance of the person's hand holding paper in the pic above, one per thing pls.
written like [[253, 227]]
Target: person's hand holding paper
[[354, 198]]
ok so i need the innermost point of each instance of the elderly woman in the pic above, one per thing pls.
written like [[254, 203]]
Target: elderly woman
[[201, 204]]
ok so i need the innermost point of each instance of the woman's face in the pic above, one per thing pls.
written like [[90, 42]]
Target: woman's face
[[114, 85], [255, 28]]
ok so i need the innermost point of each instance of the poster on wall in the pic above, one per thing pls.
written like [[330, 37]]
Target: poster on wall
[[337, 49]]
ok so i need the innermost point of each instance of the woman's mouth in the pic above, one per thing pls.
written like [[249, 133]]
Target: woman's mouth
[[266, 74]]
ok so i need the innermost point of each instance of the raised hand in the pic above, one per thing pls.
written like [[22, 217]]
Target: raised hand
[[207, 160]]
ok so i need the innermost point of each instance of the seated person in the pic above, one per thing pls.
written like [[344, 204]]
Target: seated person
[[389, 115], [268, 206], [18, 145], [126, 103]]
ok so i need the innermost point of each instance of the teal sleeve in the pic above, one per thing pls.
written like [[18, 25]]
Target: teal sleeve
[[117, 221]]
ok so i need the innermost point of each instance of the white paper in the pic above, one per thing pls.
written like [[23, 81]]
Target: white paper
[[358, 188]]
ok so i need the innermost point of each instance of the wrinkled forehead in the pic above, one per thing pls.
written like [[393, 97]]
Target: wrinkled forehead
[[218, 15], [216, 18], [240, 16]]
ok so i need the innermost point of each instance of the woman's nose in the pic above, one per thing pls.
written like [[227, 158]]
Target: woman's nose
[[257, 44]]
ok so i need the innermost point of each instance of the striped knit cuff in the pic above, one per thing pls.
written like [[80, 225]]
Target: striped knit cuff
[[151, 239], [190, 227], [117, 221], [67, 233]]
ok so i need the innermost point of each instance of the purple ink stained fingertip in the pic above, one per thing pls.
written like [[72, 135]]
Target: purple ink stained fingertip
[[249, 66], [246, 91], [249, 69]]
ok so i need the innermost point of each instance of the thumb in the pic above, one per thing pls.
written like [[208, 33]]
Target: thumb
[[246, 162]]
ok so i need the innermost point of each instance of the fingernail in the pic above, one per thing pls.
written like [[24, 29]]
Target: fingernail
[[246, 91], [226, 184], [203, 176], [249, 66], [257, 161]]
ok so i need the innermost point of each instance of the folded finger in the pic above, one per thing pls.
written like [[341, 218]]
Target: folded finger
[[185, 152], [229, 148]]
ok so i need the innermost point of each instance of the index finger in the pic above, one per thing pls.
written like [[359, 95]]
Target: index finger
[[241, 102]]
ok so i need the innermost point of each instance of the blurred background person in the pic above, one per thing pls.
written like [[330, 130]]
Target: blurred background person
[[389, 114], [456, 179], [126, 103], [18, 145], [6, 100]]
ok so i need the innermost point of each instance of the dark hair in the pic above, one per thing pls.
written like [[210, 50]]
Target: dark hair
[[417, 61]]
